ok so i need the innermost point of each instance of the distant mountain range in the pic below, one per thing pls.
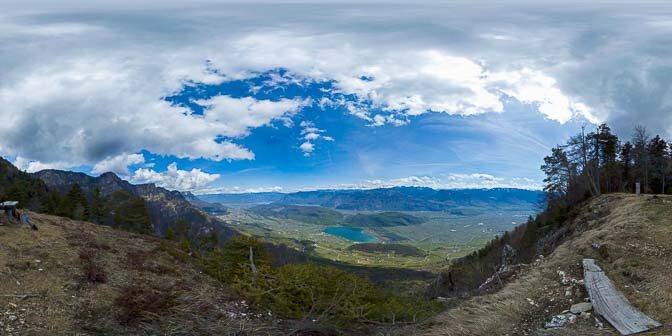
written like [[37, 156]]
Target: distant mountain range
[[324, 216], [393, 199], [243, 198]]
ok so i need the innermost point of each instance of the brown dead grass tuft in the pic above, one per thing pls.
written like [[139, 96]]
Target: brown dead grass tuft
[[93, 272], [143, 302], [174, 299]]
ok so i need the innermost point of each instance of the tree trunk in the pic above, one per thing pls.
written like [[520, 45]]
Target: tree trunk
[[252, 265]]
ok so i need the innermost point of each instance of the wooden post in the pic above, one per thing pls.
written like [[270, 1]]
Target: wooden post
[[638, 188]]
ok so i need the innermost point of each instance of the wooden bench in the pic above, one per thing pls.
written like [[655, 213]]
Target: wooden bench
[[611, 304]]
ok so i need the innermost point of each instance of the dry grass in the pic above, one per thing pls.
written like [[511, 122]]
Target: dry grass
[[150, 287], [636, 235]]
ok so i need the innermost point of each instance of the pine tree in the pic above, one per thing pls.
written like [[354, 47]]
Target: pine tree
[[79, 206], [658, 156], [608, 145], [558, 173], [96, 206], [626, 167]]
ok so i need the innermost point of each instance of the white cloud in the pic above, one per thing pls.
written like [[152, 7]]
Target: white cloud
[[98, 92], [91, 102], [533, 87], [48, 30], [234, 117], [307, 148], [118, 164], [174, 178], [310, 134], [237, 190], [31, 166], [448, 181]]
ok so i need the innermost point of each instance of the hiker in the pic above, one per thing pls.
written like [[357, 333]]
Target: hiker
[[25, 220]]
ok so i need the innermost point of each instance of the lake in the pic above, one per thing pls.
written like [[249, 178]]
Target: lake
[[353, 234]]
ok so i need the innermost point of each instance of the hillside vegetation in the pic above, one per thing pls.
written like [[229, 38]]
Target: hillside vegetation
[[74, 277], [111, 201], [398, 249], [92, 279], [584, 217], [164, 208], [629, 237], [306, 214]]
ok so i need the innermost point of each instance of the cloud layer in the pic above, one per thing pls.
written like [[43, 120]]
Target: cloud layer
[[445, 181], [174, 178], [96, 98]]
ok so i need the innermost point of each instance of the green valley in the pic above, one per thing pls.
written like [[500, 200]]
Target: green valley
[[434, 237]]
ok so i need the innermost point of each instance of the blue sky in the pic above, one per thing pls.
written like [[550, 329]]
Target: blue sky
[[233, 96], [440, 150]]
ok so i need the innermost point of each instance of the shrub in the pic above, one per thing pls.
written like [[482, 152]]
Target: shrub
[[130, 213], [173, 251], [143, 261], [139, 302], [231, 262], [92, 271], [309, 291]]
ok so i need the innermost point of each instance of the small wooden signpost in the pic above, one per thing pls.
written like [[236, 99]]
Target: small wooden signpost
[[638, 188]]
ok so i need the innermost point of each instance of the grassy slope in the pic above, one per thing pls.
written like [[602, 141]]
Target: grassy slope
[[47, 263], [637, 233]]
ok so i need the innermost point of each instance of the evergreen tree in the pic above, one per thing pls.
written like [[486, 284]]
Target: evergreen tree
[[208, 242], [170, 234], [528, 242], [626, 163], [659, 157], [74, 204], [558, 173], [96, 206], [608, 145]]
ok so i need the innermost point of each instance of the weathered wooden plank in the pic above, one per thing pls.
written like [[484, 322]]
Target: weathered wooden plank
[[611, 304], [9, 204]]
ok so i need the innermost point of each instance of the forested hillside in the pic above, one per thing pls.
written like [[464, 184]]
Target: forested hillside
[[111, 201], [587, 166], [19, 186]]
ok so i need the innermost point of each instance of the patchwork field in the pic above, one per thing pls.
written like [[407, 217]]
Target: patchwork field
[[439, 236]]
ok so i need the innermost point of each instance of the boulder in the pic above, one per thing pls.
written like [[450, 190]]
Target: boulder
[[581, 307], [509, 255], [558, 321]]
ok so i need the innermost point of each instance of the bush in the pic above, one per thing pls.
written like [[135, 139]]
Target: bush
[[92, 271], [231, 262], [309, 291], [139, 302], [130, 213]]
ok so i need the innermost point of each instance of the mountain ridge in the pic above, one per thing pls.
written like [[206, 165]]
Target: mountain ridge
[[391, 199], [165, 207]]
